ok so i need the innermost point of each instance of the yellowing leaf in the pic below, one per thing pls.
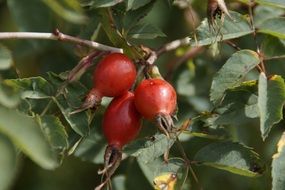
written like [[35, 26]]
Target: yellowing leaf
[[280, 146], [165, 181]]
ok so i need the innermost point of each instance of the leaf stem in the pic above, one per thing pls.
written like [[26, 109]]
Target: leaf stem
[[251, 21], [188, 163], [59, 36]]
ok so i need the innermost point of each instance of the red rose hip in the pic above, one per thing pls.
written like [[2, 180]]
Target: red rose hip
[[121, 121], [156, 99], [113, 76], [121, 124]]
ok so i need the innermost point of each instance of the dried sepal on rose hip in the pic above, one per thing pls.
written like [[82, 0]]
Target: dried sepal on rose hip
[[121, 125], [216, 8], [156, 100], [113, 76]]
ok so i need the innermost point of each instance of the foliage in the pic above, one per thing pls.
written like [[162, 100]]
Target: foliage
[[229, 78]]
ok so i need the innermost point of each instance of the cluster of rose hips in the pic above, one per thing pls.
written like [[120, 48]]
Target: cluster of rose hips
[[153, 99]]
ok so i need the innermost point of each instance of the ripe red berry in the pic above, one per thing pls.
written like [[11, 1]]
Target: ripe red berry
[[156, 99], [155, 96], [121, 124], [121, 121], [113, 75]]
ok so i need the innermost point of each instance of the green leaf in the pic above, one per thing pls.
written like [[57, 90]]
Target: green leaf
[[8, 162], [24, 11], [238, 104], [230, 30], [68, 101], [6, 60], [91, 29], [278, 166], [149, 149], [78, 122], [204, 126], [25, 133], [263, 13], [184, 85], [69, 13], [133, 17], [119, 181], [271, 98], [232, 73], [272, 46], [54, 131], [135, 4], [92, 147], [274, 3], [232, 157], [145, 31], [9, 97], [33, 88], [158, 167], [105, 3], [274, 27]]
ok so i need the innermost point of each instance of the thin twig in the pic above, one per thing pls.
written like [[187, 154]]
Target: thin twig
[[173, 45], [57, 35], [274, 57], [232, 44], [166, 48]]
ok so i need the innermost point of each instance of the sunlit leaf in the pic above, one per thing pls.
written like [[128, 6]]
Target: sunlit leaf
[[8, 162], [54, 131], [271, 98], [274, 27], [278, 166], [25, 133], [232, 157], [33, 88], [230, 30], [274, 3], [232, 73]]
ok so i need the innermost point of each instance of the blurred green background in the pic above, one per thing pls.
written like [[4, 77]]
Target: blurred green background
[[192, 79]]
